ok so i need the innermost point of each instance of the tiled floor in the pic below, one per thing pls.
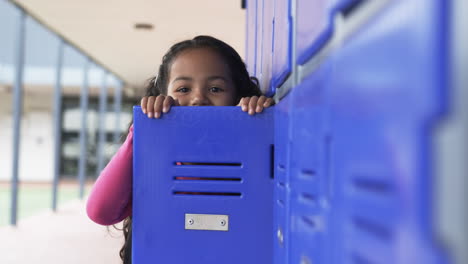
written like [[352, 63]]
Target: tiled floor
[[65, 237]]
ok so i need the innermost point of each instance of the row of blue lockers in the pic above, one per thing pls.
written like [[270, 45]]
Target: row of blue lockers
[[354, 168], [270, 33], [341, 170]]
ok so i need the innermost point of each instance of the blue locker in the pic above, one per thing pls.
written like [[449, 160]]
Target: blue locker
[[203, 161], [386, 96], [259, 43], [352, 150], [281, 220], [310, 181], [264, 68], [264, 40], [251, 37], [281, 50], [315, 25], [361, 125], [269, 42]]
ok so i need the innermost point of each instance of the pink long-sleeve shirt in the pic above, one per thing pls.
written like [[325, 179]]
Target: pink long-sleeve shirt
[[110, 200]]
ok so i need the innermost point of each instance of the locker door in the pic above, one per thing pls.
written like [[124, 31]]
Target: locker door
[[202, 190]]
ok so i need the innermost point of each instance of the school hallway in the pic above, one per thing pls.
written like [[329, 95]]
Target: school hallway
[[67, 236]]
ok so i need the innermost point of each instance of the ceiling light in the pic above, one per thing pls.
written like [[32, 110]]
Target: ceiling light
[[143, 26]]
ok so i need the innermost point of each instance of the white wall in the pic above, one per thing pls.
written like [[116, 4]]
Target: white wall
[[36, 141]]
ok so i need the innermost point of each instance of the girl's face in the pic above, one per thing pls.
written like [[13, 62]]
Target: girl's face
[[200, 77]]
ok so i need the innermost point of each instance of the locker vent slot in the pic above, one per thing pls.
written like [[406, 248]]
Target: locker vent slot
[[207, 178], [281, 167], [308, 198], [310, 221], [230, 164], [208, 193], [280, 202], [306, 173], [186, 178], [378, 230], [372, 185]]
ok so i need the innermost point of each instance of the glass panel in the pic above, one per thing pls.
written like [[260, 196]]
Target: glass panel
[[9, 17]]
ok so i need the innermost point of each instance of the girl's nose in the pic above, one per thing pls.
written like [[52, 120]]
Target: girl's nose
[[199, 99]]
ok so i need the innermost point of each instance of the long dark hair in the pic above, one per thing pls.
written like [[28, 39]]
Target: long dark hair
[[245, 86]]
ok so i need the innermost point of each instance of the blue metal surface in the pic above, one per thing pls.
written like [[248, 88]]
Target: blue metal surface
[[281, 53], [386, 169], [266, 47], [281, 201], [259, 40], [251, 39], [202, 135], [269, 42], [315, 25], [361, 128], [310, 181]]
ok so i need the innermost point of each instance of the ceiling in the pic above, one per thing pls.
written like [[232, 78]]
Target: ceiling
[[105, 29]]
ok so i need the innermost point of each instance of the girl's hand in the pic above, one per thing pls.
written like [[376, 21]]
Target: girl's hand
[[255, 104], [153, 106]]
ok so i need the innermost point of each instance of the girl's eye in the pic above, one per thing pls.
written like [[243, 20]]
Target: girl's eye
[[215, 89], [183, 90]]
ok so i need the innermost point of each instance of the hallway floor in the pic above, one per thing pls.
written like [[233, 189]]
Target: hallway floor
[[67, 236]]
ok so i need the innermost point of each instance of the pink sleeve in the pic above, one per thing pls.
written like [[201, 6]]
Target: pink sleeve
[[110, 200]]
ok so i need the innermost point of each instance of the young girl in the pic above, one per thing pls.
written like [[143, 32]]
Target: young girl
[[201, 71]]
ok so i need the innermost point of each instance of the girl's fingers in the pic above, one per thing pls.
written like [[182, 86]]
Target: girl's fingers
[[150, 106], [268, 102], [143, 103], [244, 103], [240, 102], [153, 106], [168, 102], [255, 104], [158, 105], [260, 103], [252, 104]]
